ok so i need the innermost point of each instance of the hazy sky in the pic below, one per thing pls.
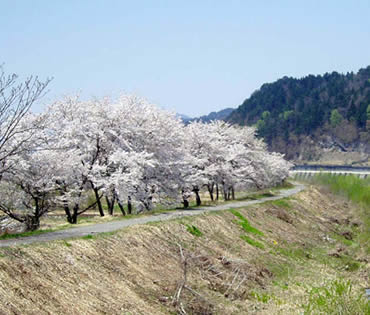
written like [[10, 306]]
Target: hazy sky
[[193, 57]]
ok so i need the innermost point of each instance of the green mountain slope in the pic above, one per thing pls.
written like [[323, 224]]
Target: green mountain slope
[[220, 115], [300, 116]]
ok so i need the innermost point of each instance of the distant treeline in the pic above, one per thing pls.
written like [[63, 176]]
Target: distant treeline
[[294, 107]]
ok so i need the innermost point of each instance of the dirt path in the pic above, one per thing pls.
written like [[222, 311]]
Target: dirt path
[[117, 225]]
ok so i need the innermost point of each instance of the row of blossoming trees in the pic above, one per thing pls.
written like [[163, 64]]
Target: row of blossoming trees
[[79, 155]]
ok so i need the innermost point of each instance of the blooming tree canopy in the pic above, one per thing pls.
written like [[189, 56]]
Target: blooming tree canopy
[[129, 152]]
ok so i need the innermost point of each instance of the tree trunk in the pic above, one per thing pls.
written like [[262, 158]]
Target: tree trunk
[[217, 192], [66, 207], [110, 204], [210, 190], [75, 214], [185, 197], [32, 222], [197, 197], [224, 191], [68, 214], [74, 219], [98, 201], [120, 205], [148, 203], [111, 209], [232, 192], [129, 205]]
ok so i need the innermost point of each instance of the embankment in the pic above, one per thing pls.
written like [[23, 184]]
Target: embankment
[[263, 259]]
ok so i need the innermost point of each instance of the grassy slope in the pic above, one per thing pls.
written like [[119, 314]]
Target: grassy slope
[[266, 259], [351, 186], [355, 189]]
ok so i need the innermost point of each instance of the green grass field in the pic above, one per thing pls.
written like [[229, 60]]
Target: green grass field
[[353, 187]]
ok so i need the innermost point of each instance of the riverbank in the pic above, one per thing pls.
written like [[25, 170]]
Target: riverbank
[[279, 257]]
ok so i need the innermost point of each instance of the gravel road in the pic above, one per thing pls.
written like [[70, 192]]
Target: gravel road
[[117, 225]]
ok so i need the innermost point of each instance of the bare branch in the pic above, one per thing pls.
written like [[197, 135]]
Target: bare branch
[[16, 100]]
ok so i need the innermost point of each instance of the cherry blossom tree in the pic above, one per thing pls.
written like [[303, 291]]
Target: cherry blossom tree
[[78, 132], [28, 185], [16, 99], [127, 151], [206, 150], [226, 156], [149, 152]]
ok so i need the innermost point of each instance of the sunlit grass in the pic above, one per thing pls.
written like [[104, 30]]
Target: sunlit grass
[[353, 187], [192, 229], [25, 234], [252, 242], [337, 297], [244, 223]]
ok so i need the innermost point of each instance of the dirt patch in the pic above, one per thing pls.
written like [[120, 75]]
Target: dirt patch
[[280, 214], [347, 235]]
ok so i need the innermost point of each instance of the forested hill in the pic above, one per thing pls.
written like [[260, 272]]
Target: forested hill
[[331, 106], [220, 115]]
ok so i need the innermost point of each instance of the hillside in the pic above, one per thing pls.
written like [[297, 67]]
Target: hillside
[[256, 260], [220, 115], [312, 117]]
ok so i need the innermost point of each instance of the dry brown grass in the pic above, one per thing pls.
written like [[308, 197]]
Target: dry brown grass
[[138, 270]]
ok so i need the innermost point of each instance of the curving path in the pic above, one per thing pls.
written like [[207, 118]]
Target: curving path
[[117, 225]]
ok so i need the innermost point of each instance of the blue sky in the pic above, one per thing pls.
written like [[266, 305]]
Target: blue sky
[[193, 57]]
